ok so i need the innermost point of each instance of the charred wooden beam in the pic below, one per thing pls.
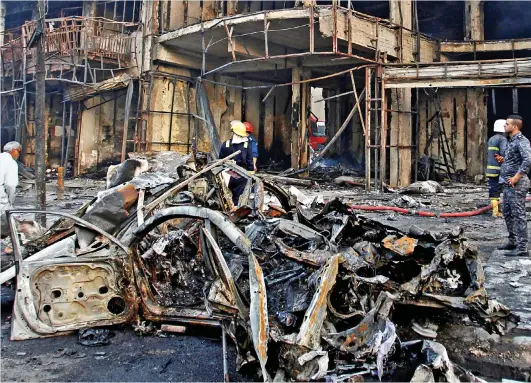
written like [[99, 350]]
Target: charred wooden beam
[[459, 74], [474, 20], [295, 116], [485, 46], [401, 130]]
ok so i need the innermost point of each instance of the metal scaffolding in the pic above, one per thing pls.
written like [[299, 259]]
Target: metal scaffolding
[[83, 56]]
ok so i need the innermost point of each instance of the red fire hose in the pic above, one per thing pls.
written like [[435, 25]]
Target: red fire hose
[[425, 213]]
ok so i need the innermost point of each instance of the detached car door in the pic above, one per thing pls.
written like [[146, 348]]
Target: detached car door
[[61, 288]]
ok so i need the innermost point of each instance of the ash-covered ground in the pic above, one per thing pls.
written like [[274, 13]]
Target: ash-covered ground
[[197, 355]]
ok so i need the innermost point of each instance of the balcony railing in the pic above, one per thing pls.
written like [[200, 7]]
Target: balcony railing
[[73, 37]]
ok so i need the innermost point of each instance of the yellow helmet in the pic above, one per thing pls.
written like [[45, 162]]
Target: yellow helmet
[[238, 128]]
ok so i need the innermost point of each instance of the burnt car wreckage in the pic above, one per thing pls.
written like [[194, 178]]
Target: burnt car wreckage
[[306, 292]]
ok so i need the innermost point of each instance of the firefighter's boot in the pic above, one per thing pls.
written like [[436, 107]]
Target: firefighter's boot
[[496, 208]]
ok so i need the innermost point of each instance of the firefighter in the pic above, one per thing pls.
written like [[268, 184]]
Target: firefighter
[[244, 159], [497, 145], [252, 140]]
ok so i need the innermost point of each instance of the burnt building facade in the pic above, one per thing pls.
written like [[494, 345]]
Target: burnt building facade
[[402, 81]]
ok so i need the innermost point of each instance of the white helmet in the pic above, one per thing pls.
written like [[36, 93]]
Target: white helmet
[[499, 126]]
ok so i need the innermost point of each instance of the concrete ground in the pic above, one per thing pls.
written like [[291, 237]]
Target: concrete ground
[[129, 358], [198, 357]]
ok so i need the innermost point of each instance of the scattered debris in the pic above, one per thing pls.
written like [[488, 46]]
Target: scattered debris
[[427, 331], [62, 352], [147, 328], [349, 181], [95, 337], [300, 197], [407, 202], [307, 290], [435, 366], [423, 187], [100, 355], [173, 329], [287, 180]]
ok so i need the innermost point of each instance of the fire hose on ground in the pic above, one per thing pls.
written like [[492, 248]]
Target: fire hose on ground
[[423, 213]]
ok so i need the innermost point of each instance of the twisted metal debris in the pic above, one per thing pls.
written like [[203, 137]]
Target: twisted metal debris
[[306, 292]]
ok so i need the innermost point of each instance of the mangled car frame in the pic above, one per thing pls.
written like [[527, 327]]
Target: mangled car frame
[[306, 291]]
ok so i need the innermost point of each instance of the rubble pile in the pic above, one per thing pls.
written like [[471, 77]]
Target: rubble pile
[[306, 289]]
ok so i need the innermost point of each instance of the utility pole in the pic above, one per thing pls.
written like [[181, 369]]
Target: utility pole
[[40, 123], [2, 29]]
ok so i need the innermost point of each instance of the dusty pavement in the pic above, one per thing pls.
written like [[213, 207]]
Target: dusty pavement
[[198, 356], [129, 358]]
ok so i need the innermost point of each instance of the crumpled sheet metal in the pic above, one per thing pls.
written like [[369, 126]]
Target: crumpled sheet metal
[[167, 162], [258, 315], [225, 275], [280, 193], [321, 286], [402, 246], [302, 364], [320, 359], [491, 312], [413, 286], [423, 374], [295, 228], [436, 283], [221, 221], [355, 338], [316, 258], [374, 336], [310, 332], [258, 306], [434, 364], [151, 180], [108, 212]]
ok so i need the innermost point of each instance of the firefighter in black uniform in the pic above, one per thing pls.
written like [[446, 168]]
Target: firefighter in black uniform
[[497, 146], [244, 159]]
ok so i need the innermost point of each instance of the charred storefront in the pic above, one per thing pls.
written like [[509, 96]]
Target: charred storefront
[[397, 100]]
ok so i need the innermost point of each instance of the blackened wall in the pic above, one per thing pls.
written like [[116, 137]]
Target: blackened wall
[[507, 20], [442, 19]]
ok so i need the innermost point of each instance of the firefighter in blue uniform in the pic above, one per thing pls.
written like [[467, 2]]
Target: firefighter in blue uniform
[[244, 159], [497, 145], [254, 144], [513, 176]]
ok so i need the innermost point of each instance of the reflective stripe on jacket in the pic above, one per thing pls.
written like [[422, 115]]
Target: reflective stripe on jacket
[[244, 159], [497, 144]]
